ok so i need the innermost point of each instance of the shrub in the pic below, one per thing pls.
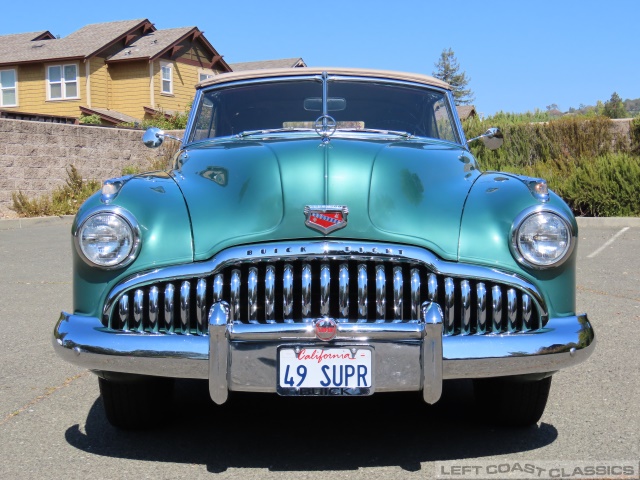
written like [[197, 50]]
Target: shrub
[[64, 200], [90, 120]]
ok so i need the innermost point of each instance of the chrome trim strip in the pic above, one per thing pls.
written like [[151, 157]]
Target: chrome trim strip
[[496, 309], [269, 294], [449, 306], [324, 249], [432, 364], [287, 295], [252, 298], [363, 310], [432, 287], [201, 307], [398, 294], [415, 294], [481, 305], [138, 302], [465, 294], [325, 284], [169, 292], [306, 292], [218, 352], [235, 295], [153, 309], [381, 293], [185, 308], [343, 295]]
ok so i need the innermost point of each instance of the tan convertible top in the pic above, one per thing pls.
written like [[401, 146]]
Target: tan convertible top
[[356, 72]]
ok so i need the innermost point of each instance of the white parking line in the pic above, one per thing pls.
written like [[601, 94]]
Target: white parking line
[[608, 242]]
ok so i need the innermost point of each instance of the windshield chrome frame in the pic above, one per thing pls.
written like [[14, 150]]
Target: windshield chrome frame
[[324, 80]]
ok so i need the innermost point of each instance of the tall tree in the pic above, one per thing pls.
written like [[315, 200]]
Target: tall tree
[[614, 108], [448, 70]]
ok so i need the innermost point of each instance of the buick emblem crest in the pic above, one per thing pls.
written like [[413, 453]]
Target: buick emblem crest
[[326, 329], [326, 218]]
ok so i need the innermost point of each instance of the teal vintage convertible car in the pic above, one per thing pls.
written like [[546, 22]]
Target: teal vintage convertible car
[[324, 232]]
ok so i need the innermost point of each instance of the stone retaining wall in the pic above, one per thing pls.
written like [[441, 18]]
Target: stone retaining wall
[[35, 156]]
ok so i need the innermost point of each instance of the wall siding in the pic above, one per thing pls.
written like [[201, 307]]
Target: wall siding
[[185, 78], [129, 88], [32, 92], [99, 83]]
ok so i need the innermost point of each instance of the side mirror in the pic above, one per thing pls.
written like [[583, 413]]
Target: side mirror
[[492, 138], [154, 137]]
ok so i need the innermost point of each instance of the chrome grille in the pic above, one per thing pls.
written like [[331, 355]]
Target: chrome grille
[[347, 289]]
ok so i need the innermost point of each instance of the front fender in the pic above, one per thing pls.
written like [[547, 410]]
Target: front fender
[[494, 202], [158, 205]]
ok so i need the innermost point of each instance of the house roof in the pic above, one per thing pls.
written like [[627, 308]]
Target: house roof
[[152, 44], [466, 111], [83, 43], [263, 64], [108, 115]]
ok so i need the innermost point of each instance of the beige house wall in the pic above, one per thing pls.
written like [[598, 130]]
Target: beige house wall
[[129, 88]]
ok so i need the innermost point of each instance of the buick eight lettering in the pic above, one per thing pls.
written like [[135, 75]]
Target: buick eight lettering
[[324, 232]]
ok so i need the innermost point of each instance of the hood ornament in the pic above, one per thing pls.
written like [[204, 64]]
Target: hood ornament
[[326, 218]]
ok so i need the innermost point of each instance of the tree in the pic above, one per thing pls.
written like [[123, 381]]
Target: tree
[[448, 70], [614, 108]]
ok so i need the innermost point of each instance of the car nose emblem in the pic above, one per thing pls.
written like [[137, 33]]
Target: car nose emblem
[[326, 218], [326, 329]]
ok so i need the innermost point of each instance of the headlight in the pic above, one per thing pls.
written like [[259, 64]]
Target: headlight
[[108, 239], [541, 239]]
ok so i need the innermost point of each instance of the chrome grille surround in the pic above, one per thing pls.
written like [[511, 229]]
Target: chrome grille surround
[[354, 282]]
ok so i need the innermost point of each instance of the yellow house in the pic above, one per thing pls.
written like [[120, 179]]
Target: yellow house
[[122, 71]]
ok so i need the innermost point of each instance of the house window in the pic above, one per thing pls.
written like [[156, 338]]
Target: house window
[[167, 77], [63, 81], [205, 76], [8, 97]]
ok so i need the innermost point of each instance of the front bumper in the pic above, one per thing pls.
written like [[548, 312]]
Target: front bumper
[[243, 357]]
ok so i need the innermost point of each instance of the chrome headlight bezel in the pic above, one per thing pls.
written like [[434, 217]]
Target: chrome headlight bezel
[[123, 215], [525, 215]]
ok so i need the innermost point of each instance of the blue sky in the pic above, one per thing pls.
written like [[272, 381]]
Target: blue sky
[[520, 55]]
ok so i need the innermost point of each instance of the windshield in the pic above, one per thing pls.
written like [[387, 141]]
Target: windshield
[[296, 104]]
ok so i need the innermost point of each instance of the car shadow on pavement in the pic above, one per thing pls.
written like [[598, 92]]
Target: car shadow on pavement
[[311, 434]]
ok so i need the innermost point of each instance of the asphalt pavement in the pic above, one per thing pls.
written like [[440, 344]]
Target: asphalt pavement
[[52, 424]]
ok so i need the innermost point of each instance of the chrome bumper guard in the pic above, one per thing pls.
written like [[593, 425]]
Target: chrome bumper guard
[[243, 357]]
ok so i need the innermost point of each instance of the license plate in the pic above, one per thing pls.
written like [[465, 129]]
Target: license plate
[[325, 371]]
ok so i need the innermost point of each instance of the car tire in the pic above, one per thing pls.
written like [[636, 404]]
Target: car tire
[[134, 403], [512, 402]]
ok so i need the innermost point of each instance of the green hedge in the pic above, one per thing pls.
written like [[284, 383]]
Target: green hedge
[[584, 160]]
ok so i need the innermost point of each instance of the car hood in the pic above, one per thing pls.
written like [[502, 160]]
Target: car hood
[[244, 191]]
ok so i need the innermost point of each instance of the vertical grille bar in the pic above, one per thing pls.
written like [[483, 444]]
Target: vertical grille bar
[[123, 312], [481, 311], [287, 293], [526, 313], [201, 307], [306, 292], [465, 297], [398, 294], [415, 294], [269, 294], [496, 309], [252, 301], [138, 301], [185, 308], [325, 284], [218, 283], [381, 293], [343, 296], [153, 309], [169, 292], [432, 288], [362, 293], [449, 305], [235, 295], [512, 310]]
